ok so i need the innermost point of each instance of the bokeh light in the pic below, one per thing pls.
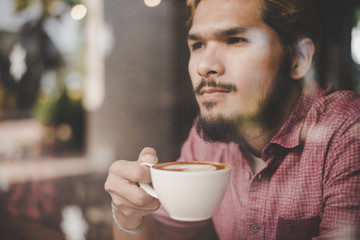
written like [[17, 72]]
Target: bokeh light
[[152, 3], [78, 12], [64, 132]]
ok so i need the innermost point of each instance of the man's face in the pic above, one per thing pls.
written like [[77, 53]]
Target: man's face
[[235, 59]]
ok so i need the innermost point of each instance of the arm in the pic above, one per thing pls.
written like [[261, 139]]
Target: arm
[[131, 203]]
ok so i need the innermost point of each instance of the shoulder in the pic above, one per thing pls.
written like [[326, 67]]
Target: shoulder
[[343, 103], [331, 117], [336, 108]]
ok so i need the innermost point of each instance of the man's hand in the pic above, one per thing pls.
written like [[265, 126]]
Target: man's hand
[[131, 202]]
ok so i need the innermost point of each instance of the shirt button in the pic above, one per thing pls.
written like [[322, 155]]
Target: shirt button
[[289, 227], [254, 228], [247, 175], [259, 177]]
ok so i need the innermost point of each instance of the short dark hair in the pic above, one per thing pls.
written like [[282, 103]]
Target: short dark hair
[[292, 20]]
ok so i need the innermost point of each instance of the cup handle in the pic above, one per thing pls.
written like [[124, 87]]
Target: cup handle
[[147, 188]]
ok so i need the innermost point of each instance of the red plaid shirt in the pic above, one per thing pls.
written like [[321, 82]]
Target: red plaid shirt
[[310, 187]]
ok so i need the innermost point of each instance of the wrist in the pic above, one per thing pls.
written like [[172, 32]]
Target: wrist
[[127, 225]]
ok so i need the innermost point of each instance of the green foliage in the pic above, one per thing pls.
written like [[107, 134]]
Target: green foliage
[[21, 5]]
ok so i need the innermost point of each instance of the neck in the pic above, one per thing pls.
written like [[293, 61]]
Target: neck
[[255, 135]]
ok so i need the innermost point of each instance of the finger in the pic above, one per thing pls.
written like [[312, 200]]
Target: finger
[[148, 155], [131, 171], [120, 188], [122, 181]]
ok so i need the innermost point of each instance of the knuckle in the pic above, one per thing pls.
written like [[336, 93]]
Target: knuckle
[[141, 199], [127, 212], [121, 169], [137, 174], [115, 166], [108, 186]]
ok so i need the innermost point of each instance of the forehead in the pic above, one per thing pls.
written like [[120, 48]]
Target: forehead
[[224, 13]]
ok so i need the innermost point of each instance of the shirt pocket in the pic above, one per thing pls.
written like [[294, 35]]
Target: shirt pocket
[[302, 229]]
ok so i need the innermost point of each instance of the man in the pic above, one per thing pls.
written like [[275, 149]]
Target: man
[[294, 148]]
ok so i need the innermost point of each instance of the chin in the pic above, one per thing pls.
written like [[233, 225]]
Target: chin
[[217, 128]]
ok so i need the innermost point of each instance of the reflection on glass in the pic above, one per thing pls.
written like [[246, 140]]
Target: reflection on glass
[[42, 164], [355, 43]]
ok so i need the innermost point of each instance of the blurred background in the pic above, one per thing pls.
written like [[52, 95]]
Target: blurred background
[[83, 83]]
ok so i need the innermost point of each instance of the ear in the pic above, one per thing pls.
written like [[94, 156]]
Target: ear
[[303, 59]]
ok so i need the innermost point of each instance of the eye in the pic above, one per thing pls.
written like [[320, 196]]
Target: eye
[[234, 40], [196, 46]]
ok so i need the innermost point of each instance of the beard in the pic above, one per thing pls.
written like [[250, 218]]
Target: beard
[[217, 129], [228, 129]]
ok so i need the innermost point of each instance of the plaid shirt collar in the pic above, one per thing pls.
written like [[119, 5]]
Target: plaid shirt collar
[[289, 134]]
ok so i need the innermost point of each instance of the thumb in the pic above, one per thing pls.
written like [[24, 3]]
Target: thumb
[[148, 155]]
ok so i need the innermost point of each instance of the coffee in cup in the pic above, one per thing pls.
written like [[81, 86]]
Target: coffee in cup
[[189, 191], [191, 166]]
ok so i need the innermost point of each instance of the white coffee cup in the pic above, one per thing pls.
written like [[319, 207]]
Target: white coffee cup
[[189, 191]]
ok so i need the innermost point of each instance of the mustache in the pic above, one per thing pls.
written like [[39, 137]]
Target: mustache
[[211, 82]]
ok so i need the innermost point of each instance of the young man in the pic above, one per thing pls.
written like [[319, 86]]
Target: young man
[[294, 148]]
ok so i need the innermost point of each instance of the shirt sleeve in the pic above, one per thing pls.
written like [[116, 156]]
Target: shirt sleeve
[[341, 186]]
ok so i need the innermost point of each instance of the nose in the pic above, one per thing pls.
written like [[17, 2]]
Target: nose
[[210, 63]]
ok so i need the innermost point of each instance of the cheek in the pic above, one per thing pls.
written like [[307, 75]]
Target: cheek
[[249, 72], [255, 68], [251, 90], [254, 78], [195, 79]]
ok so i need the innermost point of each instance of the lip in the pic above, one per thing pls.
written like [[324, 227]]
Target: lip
[[213, 93]]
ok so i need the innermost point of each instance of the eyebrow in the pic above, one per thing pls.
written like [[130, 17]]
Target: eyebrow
[[222, 33]]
